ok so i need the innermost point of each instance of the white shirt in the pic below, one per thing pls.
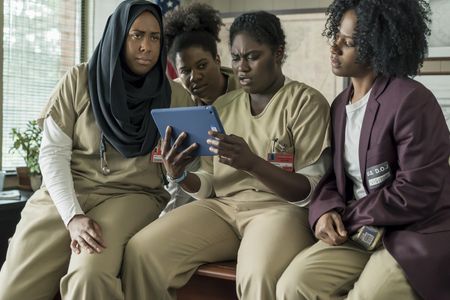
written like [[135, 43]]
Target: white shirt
[[355, 115], [54, 161]]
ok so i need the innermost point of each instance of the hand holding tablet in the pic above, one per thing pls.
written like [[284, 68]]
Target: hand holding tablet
[[194, 121]]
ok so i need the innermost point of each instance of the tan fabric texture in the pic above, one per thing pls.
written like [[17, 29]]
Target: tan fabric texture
[[245, 220], [163, 256], [39, 254], [344, 272], [122, 203], [70, 108], [297, 116]]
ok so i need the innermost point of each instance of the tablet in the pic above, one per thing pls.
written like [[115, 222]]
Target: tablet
[[195, 121]]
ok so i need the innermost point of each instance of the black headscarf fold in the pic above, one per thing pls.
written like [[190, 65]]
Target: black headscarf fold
[[121, 100]]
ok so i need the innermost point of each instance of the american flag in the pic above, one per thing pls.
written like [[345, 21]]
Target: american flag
[[167, 5]]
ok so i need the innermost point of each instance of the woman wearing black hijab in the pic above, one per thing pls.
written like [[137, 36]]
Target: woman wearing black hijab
[[100, 186]]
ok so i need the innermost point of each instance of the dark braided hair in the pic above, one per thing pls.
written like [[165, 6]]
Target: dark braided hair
[[197, 24], [390, 35], [264, 27]]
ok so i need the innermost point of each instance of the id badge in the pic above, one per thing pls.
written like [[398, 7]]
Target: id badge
[[282, 160], [369, 237], [378, 175], [156, 155]]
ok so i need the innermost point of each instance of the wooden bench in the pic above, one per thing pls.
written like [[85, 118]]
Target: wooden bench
[[214, 281]]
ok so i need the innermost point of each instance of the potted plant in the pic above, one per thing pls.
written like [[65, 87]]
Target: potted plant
[[27, 144]]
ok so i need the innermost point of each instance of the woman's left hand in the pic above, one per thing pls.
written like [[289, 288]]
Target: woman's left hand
[[232, 150]]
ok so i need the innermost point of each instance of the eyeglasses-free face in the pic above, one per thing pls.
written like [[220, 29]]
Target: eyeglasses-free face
[[143, 44]]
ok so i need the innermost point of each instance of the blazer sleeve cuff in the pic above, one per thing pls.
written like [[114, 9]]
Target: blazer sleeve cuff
[[318, 208]]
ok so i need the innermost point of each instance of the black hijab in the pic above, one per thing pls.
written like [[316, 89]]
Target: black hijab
[[121, 100]]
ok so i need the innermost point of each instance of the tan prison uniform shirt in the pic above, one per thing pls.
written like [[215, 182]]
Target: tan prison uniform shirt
[[297, 117], [70, 108]]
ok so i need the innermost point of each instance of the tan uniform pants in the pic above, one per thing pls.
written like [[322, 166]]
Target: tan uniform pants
[[344, 272], [39, 254], [263, 236]]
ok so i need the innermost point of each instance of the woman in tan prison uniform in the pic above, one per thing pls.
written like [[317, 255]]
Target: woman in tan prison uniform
[[248, 208], [92, 203], [192, 33]]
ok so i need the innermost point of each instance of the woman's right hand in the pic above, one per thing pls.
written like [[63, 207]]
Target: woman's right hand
[[175, 162], [330, 229], [85, 233]]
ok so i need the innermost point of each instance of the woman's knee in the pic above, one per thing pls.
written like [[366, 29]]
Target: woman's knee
[[139, 247], [295, 283], [246, 275], [85, 278]]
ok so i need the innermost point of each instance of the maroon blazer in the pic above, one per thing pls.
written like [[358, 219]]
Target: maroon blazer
[[403, 154]]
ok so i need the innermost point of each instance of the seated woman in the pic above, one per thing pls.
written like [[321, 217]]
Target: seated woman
[[192, 33], [391, 149], [247, 205], [99, 185]]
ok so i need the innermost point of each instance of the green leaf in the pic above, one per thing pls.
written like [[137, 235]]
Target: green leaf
[[27, 144]]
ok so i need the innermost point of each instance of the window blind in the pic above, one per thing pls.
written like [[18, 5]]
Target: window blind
[[41, 40]]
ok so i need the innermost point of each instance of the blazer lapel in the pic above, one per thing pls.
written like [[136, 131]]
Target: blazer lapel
[[369, 119]]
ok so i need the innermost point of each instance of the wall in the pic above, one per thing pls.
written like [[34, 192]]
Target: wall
[[101, 9], [437, 68], [239, 6], [99, 12], [308, 55], [303, 67]]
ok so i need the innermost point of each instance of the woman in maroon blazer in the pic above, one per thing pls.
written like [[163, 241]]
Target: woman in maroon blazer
[[390, 177]]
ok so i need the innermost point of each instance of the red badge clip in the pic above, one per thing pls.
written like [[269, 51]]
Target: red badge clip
[[156, 154], [283, 160]]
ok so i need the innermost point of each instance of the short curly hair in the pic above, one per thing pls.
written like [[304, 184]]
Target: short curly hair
[[263, 26], [197, 24], [390, 36]]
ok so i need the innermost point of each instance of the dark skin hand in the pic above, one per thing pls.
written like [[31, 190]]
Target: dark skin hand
[[85, 233], [330, 229], [232, 151], [175, 162], [235, 152]]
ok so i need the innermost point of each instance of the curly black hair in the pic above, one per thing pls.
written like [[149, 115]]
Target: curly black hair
[[263, 26], [390, 36], [197, 24]]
